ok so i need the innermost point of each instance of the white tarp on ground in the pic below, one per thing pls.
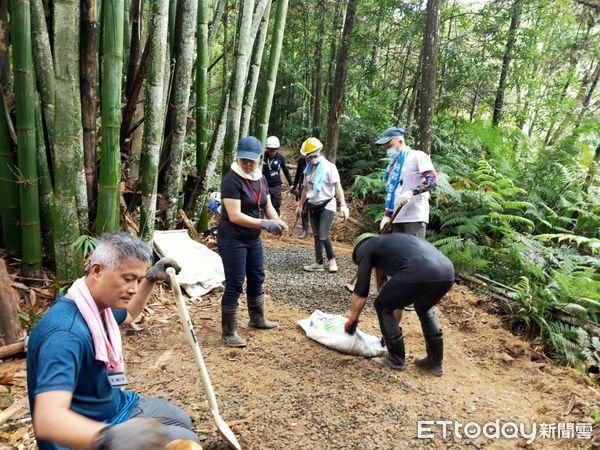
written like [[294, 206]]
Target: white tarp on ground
[[328, 329], [201, 268]]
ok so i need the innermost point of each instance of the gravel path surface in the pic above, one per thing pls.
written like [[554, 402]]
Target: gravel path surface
[[288, 283]]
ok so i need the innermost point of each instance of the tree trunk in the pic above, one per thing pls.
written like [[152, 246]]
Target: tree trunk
[[337, 18], [44, 65], [412, 105], [428, 78], [341, 72], [266, 99], [318, 90], [586, 101], [89, 102], [238, 82], [110, 162], [126, 34], [154, 115], [25, 127], [397, 104], [10, 324], [9, 191], [510, 43], [185, 59], [135, 47], [253, 76]]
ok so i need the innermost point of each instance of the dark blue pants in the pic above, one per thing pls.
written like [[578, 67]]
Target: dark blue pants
[[241, 260]]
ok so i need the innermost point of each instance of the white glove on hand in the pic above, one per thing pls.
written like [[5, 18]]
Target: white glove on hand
[[299, 210], [345, 212], [135, 434], [384, 222], [404, 198]]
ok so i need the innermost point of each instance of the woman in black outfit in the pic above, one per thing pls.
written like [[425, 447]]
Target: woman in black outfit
[[247, 210]]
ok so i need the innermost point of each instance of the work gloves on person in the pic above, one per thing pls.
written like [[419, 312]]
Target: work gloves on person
[[345, 212], [384, 222], [404, 198], [351, 325], [135, 434], [273, 226], [158, 272], [299, 211]]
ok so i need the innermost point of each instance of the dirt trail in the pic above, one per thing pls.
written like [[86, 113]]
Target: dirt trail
[[285, 391]]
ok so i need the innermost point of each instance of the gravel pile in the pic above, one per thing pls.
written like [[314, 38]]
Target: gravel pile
[[287, 282]]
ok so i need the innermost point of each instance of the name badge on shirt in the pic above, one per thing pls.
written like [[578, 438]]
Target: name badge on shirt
[[273, 174], [117, 379]]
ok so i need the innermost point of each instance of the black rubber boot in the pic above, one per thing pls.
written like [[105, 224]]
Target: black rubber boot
[[396, 353], [256, 311], [229, 327], [435, 354]]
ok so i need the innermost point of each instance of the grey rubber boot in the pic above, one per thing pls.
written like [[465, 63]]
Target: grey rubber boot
[[229, 327], [435, 354], [256, 311], [396, 354]]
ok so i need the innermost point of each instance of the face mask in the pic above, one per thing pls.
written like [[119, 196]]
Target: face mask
[[317, 160], [392, 153]]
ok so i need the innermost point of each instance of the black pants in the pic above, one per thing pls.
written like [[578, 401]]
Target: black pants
[[275, 193], [396, 294]]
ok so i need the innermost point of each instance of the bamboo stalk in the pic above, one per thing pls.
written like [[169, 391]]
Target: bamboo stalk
[[67, 125], [154, 116], [255, 64], [25, 127], [44, 65], [47, 204], [9, 192], [185, 57], [264, 109], [112, 66]]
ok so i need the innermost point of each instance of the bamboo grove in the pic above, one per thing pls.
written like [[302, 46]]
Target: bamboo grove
[[107, 104]]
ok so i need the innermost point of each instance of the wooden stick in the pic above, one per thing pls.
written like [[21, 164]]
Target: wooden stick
[[12, 349], [13, 409]]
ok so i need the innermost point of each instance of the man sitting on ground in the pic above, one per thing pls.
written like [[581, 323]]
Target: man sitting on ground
[[75, 362]]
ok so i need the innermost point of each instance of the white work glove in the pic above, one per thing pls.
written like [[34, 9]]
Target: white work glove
[[299, 211], [135, 434], [274, 226], [345, 212], [158, 272], [384, 222], [404, 198]]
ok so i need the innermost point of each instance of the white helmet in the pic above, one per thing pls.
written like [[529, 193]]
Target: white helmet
[[272, 142]]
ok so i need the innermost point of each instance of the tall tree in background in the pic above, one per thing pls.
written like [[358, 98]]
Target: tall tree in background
[[154, 118], [266, 100], [25, 127], [107, 218], [318, 84], [429, 74], [341, 72], [510, 43], [67, 123]]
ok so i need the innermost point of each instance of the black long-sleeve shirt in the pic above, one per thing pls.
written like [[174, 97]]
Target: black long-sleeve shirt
[[272, 168], [299, 178], [412, 259]]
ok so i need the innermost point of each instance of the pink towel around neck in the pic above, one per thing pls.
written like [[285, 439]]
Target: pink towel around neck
[[108, 349]]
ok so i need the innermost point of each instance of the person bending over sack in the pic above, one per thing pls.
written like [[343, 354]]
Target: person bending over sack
[[420, 274]]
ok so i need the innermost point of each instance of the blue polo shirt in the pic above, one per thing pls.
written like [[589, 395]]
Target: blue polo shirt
[[60, 357]]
